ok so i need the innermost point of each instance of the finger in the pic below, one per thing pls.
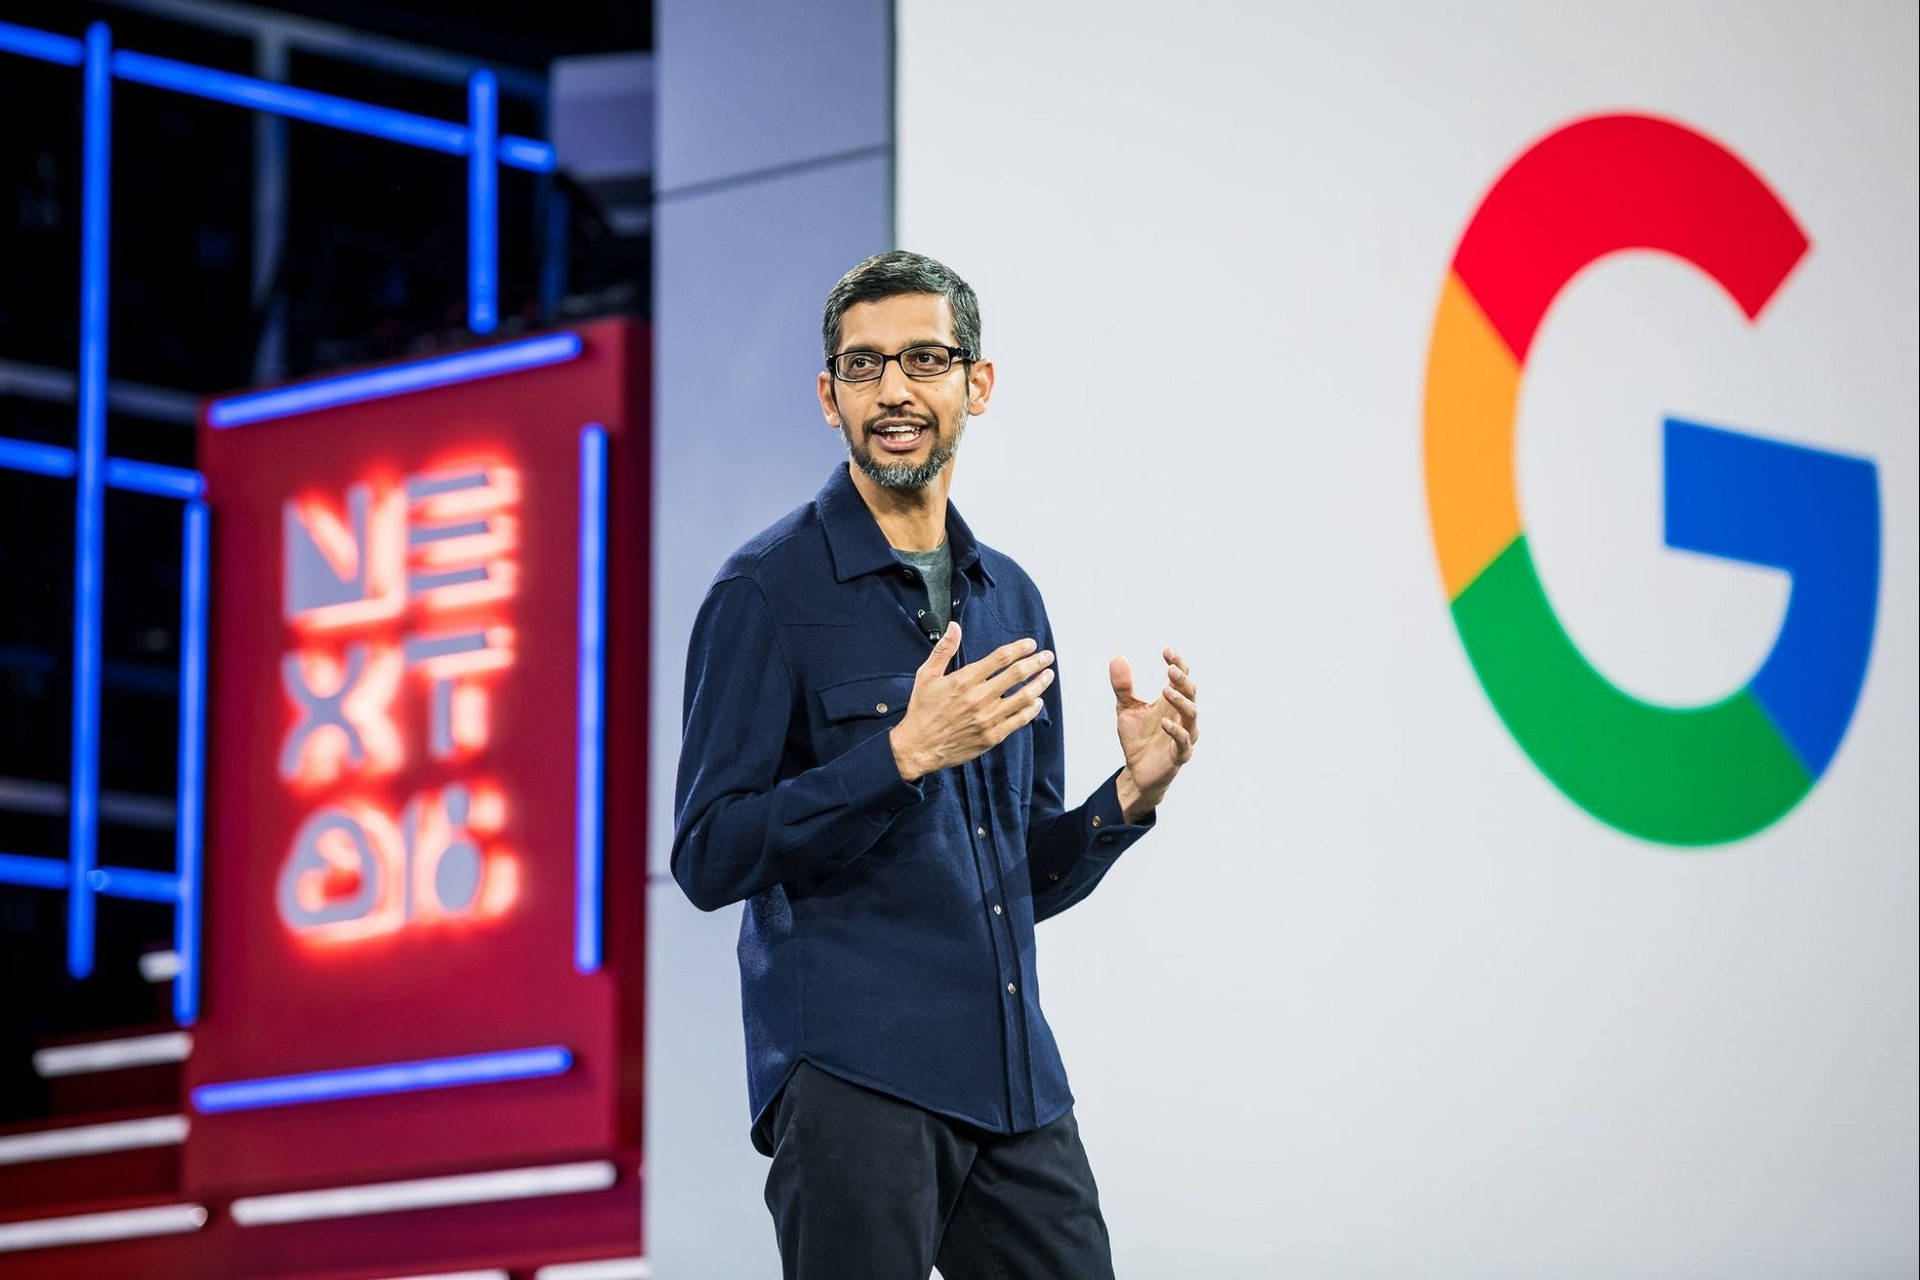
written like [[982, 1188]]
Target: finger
[[1189, 710], [1182, 740], [1182, 680], [942, 656], [1023, 713], [1174, 659], [999, 659], [1019, 673], [1189, 719], [1014, 703], [1120, 675]]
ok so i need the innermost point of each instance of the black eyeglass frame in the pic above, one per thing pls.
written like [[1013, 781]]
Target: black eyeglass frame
[[955, 355]]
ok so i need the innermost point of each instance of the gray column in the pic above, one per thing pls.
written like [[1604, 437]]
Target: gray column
[[775, 175]]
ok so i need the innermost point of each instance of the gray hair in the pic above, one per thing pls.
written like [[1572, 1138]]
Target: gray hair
[[890, 274]]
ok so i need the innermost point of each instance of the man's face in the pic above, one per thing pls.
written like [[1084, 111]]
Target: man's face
[[902, 431]]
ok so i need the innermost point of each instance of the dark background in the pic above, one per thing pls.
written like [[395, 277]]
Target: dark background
[[372, 266]]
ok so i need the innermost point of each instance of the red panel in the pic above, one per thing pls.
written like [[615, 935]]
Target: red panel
[[45, 1188], [169, 1257], [82, 1098], [443, 974], [1617, 182], [519, 1235]]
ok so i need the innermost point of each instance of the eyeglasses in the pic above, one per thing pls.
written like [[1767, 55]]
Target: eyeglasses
[[915, 362]]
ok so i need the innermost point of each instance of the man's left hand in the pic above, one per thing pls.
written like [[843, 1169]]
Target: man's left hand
[[1157, 737]]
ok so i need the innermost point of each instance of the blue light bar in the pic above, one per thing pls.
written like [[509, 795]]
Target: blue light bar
[[486, 150], [525, 153], [589, 761], [41, 459], [155, 478], [43, 45], [118, 473], [393, 1077], [110, 882], [89, 550], [35, 873], [321, 108], [393, 380], [189, 821], [131, 882], [296, 104], [483, 202]]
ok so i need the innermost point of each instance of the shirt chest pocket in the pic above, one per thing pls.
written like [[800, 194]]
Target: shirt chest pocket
[[854, 710]]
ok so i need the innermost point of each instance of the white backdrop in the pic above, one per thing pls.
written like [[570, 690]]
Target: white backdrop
[[1377, 1000]]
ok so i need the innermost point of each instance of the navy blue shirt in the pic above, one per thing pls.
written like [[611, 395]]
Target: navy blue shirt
[[888, 932]]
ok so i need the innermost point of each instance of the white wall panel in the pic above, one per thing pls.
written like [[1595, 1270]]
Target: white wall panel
[[1378, 1000]]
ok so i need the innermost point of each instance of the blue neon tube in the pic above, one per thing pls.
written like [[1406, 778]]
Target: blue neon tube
[[296, 104], [43, 45], [131, 882], [189, 792], [109, 882], [117, 473], [83, 787], [393, 1077], [323, 109], [483, 203], [35, 873], [525, 153], [590, 779], [40, 459], [155, 478], [415, 375]]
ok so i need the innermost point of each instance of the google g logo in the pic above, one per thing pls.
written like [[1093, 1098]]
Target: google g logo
[[1691, 775]]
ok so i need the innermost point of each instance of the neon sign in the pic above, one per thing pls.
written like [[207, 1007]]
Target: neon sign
[[398, 593]]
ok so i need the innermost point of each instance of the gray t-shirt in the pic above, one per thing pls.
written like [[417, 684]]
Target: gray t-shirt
[[936, 570]]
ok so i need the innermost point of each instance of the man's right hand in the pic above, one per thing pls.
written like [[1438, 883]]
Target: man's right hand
[[953, 717]]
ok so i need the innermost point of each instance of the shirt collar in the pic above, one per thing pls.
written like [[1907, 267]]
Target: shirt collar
[[856, 544]]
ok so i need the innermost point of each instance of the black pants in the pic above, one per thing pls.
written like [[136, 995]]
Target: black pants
[[866, 1187]]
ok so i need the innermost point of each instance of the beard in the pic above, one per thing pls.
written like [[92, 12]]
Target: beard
[[904, 475]]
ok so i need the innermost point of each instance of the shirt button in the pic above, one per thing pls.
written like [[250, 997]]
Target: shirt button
[[996, 908], [1009, 988], [881, 707], [1106, 839], [980, 831], [1053, 875], [1096, 819]]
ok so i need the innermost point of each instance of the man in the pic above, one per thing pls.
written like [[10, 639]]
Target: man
[[873, 762]]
